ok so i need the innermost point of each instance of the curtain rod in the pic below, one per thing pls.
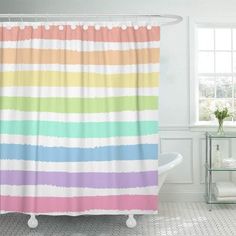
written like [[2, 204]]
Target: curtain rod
[[176, 18]]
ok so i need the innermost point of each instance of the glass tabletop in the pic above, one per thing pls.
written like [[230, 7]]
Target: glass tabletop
[[226, 135], [220, 168]]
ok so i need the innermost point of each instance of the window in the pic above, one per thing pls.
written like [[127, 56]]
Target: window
[[214, 71]]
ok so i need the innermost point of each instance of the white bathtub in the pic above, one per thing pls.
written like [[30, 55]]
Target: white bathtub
[[166, 162]]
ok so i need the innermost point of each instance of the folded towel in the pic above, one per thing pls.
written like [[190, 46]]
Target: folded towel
[[229, 163], [232, 166], [225, 189], [226, 199]]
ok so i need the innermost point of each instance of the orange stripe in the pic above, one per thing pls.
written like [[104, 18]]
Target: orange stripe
[[78, 204], [48, 56], [102, 35]]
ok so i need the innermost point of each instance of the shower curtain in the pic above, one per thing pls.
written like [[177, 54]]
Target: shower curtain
[[79, 118]]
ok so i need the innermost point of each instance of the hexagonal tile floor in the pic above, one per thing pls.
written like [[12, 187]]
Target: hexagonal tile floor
[[175, 218]]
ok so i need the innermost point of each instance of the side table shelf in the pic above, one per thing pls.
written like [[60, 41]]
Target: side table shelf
[[209, 169]]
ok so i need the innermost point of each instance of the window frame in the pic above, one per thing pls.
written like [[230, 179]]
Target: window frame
[[195, 22]]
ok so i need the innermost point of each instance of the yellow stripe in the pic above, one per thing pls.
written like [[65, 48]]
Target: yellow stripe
[[77, 79], [58, 56]]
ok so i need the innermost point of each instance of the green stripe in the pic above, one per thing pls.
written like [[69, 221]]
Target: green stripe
[[78, 130], [80, 105]]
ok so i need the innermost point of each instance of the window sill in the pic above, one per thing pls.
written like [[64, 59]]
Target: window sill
[[204, 127]]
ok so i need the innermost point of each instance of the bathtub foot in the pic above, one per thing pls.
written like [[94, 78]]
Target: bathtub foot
[[131, 222], [32, 222]]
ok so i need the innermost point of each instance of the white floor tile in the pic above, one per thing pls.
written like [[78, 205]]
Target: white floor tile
[[175, 219]]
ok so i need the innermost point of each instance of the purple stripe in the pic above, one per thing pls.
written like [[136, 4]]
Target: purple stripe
[[88, 179]]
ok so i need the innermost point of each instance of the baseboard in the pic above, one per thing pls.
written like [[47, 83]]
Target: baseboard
[[182, 197]]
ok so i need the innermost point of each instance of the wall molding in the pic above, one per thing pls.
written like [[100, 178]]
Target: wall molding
[[174, 128]]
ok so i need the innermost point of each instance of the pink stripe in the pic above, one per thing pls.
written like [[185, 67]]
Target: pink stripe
[[78, 204], [102, 35]]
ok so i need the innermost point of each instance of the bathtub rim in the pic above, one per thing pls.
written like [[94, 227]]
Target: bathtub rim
[[170, 165]]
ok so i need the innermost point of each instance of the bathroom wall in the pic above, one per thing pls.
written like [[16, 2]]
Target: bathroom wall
[[186, 181]]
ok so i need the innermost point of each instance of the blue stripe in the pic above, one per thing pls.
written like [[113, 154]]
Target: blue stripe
[[62, 154]]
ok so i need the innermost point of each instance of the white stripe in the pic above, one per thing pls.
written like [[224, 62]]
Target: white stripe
[[77, 142], [103, 69], [91, 212], [78, 45], [82, 117], [52, 191], [82, 92], [78, 167]]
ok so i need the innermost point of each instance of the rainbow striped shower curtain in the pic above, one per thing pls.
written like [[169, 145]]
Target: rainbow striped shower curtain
[[79, 119]]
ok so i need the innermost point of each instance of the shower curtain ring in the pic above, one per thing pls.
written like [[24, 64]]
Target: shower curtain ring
[[47, 27], [9, 21], [35, 25], [22, 24]]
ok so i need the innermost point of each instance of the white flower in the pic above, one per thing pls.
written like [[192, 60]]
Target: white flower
[[219, 106]]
